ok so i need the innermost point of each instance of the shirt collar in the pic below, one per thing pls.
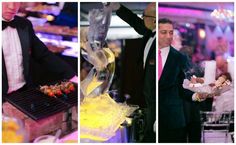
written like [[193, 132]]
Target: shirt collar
[[165, 49], [6, 20]]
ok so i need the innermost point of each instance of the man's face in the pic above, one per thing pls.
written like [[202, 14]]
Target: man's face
[[9, 10], [165, 35], [221, 64]]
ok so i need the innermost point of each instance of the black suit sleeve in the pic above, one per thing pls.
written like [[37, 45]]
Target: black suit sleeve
[[184, 93], [132, 19], [41, 54]]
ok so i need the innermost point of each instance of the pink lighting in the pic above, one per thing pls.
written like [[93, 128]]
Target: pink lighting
[[181, 12]]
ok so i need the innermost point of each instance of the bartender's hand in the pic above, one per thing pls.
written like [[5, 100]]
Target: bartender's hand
[[115, 6], [74, 79]]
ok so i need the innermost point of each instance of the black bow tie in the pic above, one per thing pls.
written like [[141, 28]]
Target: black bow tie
[[153, 34], [10, 24]]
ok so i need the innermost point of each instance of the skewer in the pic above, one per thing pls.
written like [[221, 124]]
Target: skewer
[[58, 89]]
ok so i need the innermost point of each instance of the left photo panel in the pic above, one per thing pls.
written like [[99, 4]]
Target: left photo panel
[[39, 72]]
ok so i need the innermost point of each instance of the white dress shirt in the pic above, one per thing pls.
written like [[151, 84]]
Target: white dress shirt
[[147, 48], [164, 54], [13, 59]]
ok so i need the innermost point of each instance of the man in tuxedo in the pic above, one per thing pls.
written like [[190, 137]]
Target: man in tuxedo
[[19, 45], [145, 26], [172, 66]]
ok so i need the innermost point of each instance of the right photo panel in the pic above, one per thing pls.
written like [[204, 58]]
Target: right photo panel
[[195, 72]]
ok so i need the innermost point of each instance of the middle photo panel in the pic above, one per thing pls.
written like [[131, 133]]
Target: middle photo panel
[[118, 72]]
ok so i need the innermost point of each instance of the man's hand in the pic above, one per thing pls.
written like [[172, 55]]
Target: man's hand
[[202, 96], [115, 6]]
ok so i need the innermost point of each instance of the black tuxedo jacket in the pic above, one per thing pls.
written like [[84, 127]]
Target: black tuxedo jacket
[[171, 93], [33, 48], [147, 75]]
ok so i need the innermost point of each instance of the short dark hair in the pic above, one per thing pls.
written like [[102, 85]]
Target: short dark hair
[[165, 21]]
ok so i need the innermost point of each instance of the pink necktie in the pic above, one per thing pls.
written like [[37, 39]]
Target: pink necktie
[[159, 64]]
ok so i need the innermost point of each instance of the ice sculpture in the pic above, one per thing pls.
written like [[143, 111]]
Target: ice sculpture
[[100, 77], [100, 115]]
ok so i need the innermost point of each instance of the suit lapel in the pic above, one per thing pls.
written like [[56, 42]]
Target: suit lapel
[[141, 54], [24, 41], [151, 53], [169, 67], [4, 76], [151, 50]]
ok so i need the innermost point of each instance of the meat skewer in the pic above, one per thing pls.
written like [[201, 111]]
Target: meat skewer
[[58, 89]]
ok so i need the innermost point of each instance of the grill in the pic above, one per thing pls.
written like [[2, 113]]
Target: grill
[[38, 105]]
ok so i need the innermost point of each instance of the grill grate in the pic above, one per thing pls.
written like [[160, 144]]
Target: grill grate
[[38, 105]]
